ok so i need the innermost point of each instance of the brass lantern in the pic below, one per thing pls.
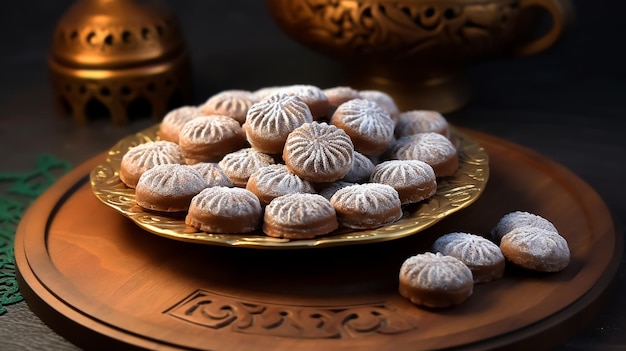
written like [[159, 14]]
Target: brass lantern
[[118, 59]]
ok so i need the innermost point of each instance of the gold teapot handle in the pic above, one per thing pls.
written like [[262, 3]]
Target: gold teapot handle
[[562, 14]]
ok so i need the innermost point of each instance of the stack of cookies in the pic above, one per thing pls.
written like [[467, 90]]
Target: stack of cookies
[[294, 161]]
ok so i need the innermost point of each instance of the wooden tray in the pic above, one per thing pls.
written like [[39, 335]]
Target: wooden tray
[[103, 283]]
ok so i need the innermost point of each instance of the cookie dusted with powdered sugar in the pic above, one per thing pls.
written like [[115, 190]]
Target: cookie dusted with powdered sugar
[[368, 125], [361, 170], [231, 103], [413, 180], [384, 100], [537, 249], [299, 216], [313, 96], [168, 188], [435, 280], [209, 138], [272, 119], [432, 148], [213, 174], [270, 182], [174, 121], [518, 219], [142, 157], [319, 152], [240, 165], [421, 121], [366, 206], [482, 256], [225, 210]]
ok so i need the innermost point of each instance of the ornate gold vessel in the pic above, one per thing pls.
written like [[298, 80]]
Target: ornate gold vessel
[[418, 50], [118, 59]]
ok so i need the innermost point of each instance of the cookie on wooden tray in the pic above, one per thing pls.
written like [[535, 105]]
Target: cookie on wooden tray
[[481, 255], [435, 280], [517, 219], [536, 249]]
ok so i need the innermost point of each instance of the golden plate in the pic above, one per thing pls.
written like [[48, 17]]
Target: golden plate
[[453, 194]]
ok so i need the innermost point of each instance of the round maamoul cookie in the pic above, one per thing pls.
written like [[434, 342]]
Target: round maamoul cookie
[[432, 148], [413, 180], [209, 138], [435, 280], [384, 100], [421, 121], [168, 188], [231, 103], [142, 157], [225, 210], [361, 169], [366, 206], [270, 182], [239, 165], [213, 174], [299, 216], [272, 119], [518, 219], [536, 249], [483, 257], [367, 124], [174, 121], [318, 152], [313, 96], [338, 95], [327, 190]]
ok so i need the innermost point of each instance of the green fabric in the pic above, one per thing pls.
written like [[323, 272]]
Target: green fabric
[[18, 191]]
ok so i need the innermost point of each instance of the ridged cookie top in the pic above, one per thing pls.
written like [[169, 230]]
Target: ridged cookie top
[[276, 180], [174, 121], [473, 250], [213, 174], [208, 129], [142, 157], [319, 152], [368, 197], [277, 115], [232, 103], [518, 219], [226, 202], [401, 173], [432, 148], [546, 245], [365, 118], [436, 272], [172, 180], [239, 165], [299, 209], [421, 121]]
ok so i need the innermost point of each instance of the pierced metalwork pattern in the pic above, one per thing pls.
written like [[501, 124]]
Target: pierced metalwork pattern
[[453, 194]]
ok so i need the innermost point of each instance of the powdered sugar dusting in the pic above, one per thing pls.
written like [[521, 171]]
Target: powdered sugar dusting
[[232, 103], [226, 202], [421, 121], [537, 242], [213, 174], [172, 180], [277, 115], [435, 271], [299, 209], [208, 129], [361, 169], [472, 249], [402, 173], [365, 118], [366, 197], [239, 165], [518, 219], [432, 148]]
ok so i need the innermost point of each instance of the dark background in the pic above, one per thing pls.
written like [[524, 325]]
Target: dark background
[[568, 103]]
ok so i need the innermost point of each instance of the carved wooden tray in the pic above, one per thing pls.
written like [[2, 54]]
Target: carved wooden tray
[[104, 283], [454, 193]]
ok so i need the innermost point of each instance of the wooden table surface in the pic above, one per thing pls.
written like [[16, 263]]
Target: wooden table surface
[[568, 104]]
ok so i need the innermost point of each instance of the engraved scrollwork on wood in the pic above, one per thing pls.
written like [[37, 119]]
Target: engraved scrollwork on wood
[[402, 28], [216, 311]]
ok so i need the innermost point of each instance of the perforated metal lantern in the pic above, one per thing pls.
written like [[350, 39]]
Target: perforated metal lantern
[[118, 59]]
